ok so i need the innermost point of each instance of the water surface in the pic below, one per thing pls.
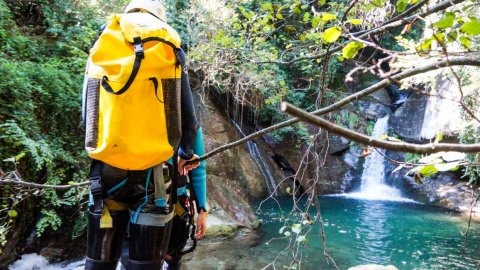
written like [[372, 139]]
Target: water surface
[[407, 235]]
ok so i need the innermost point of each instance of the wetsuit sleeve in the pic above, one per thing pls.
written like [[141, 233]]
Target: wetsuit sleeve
[[198, 176], [189, 119]]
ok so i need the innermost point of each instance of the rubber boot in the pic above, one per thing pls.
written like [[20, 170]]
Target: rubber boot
[[148, 246], [104, 246]]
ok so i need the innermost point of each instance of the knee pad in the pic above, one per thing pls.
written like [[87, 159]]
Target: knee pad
[[105, 245]]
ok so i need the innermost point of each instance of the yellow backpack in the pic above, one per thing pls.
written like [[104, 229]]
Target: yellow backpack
[[133, 93]]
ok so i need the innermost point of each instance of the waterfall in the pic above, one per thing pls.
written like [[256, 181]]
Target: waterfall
[[373, 185], [262, 164]]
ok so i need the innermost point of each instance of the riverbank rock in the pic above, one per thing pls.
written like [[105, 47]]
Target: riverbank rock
[[373, 267], [445, 189]]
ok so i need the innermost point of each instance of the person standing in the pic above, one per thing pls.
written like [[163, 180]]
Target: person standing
[[135, 95]]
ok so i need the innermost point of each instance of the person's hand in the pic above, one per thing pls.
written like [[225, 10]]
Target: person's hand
[[184, 168], [201, 225]]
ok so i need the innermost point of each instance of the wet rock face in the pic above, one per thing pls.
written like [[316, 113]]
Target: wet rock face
[[233, 179], [407, 121]]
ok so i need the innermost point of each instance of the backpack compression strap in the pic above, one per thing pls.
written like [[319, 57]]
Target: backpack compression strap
[[139, 56]]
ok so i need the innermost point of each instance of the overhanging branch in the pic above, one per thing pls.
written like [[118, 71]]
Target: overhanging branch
[[473, 60], [429, 148]]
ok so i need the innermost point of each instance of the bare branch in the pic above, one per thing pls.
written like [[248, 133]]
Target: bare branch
[[13, 179], [429, 148]]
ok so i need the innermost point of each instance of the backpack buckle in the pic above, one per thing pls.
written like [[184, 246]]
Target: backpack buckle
[[96, 185], [138, 47]]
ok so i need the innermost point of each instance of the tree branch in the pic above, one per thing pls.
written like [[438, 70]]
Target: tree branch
[[473, 60], [17, 181], [429, 148]]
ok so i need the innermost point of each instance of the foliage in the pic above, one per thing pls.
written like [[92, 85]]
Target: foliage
[[44, 46]]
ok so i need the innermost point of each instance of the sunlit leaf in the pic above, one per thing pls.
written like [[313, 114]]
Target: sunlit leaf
[[466, 41], [401, 5], [355, 21], [282, 229], [328, 17], [296, 228], [471, 28], [399, 168], [452, 35], [446, 21], [316, 20], [287, 234], [332, 34], [12, 213], [439, 137], [452, 166], [301, 238], [351, 49], [453, 156], [428, 170]]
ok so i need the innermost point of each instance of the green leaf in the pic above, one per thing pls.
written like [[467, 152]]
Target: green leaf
[[282, 229], [328, 17], [401, 5], [316, 20], [351, 49], [446, 21], [355, 21], [439, 137], [466, 41], [428, 170], [279, 16], [12, 213], [321, 2], [452, 35], [471, 28], [19, 156], [306, 17], [425, 45], [377, 3], [332, 34]]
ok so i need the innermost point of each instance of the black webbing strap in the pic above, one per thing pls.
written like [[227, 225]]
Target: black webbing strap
[[96, 186], [139, 56], [155, 84], [175, 178]]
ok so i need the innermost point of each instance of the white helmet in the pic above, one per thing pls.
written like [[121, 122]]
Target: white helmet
[[155, 7]]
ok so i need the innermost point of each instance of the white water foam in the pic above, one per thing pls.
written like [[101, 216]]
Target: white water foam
[[36, 262]]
